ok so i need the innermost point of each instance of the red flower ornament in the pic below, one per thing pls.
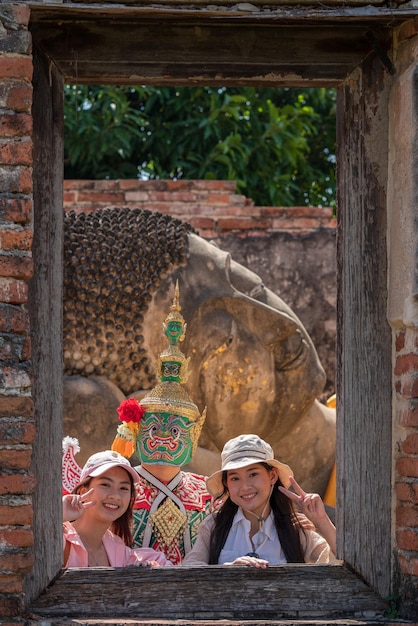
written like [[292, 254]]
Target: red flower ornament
[[130, 411]]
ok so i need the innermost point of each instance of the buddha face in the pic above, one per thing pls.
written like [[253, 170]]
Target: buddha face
[[165, 439]]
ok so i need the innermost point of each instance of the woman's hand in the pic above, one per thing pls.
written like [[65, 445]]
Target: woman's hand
[[74, 505], [249, 561], [312, 506]]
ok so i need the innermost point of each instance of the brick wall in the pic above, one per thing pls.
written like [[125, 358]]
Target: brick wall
[[406, 470], [16, 406], [213, 207]]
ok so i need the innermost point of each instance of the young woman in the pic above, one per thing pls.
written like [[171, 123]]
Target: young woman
[[256, 523], [98, 516]]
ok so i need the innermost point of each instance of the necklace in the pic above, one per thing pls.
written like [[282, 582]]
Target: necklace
[[96, 556]]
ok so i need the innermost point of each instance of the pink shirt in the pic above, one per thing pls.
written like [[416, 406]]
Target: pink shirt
[[119, 554]]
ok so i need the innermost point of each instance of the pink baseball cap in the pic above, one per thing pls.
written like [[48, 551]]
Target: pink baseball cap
[[97, 464]]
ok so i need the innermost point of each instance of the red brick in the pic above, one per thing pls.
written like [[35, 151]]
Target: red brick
[[14, 319], [27, 349], [407, 492], [21, 14], [16, 537], [16, 266], [202, 223], [15, 209], [410, 444], [408, 565], [407, 540], [15, 459], [400, 341], [15, 125], [409, 386], [16, 239], [243, 224], [406, 516], [25, 180], [107, 198], [406, 363], [69, 197], [11, 584], [79, 184], [17, 515], [13, 291], [272, 211], [16, 562], [300, 223], [16, 152], [309, 211], [10, 605], [16, 431], [16, 67], [19, 97], [329, 224], [16, 407], [137, 196], [15, 179], [15, 377], [16, 483], [409, 416], [407, 466], [223, 198], [131, 184], [221, 185]]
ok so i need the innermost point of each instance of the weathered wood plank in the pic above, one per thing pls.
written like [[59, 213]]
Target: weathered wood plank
[[227, 52], [199, 592], [364, 342], [45, 306]]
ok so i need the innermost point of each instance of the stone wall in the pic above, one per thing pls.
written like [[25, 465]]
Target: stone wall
[[291, 248]]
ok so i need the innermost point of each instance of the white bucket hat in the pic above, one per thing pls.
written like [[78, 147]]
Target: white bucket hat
[[97, 464], [242, 451]]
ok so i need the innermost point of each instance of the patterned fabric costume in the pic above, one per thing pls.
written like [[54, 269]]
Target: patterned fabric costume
[[172, 524]]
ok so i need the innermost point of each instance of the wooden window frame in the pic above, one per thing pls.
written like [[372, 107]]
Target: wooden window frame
[[364, 418]]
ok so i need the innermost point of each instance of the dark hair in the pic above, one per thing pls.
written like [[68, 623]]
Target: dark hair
[[285, 519], [122, 527]]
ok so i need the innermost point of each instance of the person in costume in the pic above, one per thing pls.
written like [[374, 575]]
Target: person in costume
[[164, 429], [256, 523], [97, 516]]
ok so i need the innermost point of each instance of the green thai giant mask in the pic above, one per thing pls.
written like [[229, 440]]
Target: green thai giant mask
[[167, 428], [167, 439]]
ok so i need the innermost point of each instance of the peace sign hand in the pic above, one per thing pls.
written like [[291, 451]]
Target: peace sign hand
[[312, 506], [74, 505]]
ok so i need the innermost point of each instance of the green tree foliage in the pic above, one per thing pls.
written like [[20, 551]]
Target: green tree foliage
[[277, 144]]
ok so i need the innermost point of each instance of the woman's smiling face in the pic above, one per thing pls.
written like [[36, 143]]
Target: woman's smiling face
[[112, 493], [250, 487]]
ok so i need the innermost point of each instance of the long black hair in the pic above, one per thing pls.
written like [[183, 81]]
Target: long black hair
[[285, 519]]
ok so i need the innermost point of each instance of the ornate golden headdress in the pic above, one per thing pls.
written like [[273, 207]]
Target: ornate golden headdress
[[168, 396]]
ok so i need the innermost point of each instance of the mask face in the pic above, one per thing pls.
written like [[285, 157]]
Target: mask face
[[165, 439], [174, 332]]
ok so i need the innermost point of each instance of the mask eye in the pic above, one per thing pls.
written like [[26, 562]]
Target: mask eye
[[175, 432]]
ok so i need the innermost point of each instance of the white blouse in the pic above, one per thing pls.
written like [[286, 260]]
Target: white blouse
[[265, 542], [314, 547]]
